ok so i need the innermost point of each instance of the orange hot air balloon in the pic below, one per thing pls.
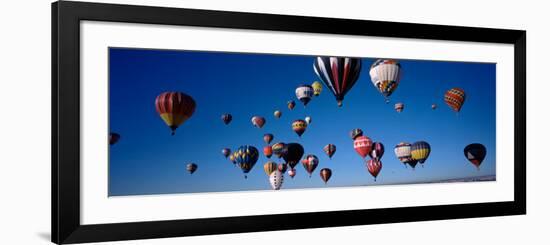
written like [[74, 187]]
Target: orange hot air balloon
[[175, 108], [363, 145], [325, 173], [268, 151], [455, 98]]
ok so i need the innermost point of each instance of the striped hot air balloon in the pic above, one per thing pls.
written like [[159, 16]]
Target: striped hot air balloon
[[399, 107], [174, 108], [279, 149], [317, 88], [310, 163], [420, 151], [385, 75], [246, 158], [455, 98], [339, 74], [475, 153], [329, 149], [354, 133], [269, 167], [362, 146], [374, 166], [299, 126], [403, 152], [258, 121], [377, 151], [304, 93]]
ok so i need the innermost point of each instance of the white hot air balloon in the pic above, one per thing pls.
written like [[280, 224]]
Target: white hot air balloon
[[304, 93], [308, 119], [385, 75], [276, 179]]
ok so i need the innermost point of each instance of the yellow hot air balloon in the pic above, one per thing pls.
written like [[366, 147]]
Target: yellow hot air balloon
[[317, 88]]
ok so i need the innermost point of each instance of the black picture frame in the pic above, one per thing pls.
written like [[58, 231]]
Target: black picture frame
[[66, 18]]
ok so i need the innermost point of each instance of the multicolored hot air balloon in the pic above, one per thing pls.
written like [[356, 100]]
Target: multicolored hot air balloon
[[258, 121], [403, 152], [299, 126], [191, 168], [113, 138], [475, 153], [308, 120], [277, 114], [276, 180], [354, 133], [226, 118], [310, 163], [317, 88], [385, 75], [279, 149], [399, 107], [268, 138], [455, 98], [325, 174], [269, 167], [420, 151], [339, 74], [304, 93], [374, 166], [282, 167], [329, 149], [377, 151], [226, 152], [294, 153], [246, 157], [362, 145], [268, 151], [291, 173], [174, 108], [290, 104]]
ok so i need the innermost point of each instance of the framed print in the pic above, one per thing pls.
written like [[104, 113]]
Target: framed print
[[176, 122]]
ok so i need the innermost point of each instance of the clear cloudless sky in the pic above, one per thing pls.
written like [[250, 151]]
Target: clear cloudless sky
[[148, 160]]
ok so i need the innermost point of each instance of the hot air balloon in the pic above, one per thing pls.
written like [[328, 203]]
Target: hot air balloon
[[269, 167], [475, 153], [310, 163], [277, 114], [455, 98], [325, 173], [113, 138], [258, 121], [291, 173], [294, 153], [291, 104], [329, 149], [317, 88], [276, 180], [338, 73], [246, 157], [191, 168], [354, 133], [399, 107], [377, 151], [420, 151], [226, 152], [268, 138], [299, 126], [403, 152], [226, 118], [304, 93], [268, 151], [174, 108], [279, 149], [374, 166], [362, 146], [282, 167], [308, 120], [434, 106], [385, 75]]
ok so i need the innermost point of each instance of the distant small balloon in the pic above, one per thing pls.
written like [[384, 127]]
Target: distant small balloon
[[258, 121], [329, 149], [325, 174], [310, 163], [399, 107], [270, 167], [113, 138], [304, 93], [291, 173], [354, 133], [308, 120], [299, 127], [226, 152], [291, 104], [362, 146], [191, 168], [277, 114], [434, 106], [475, 153], [268, 151], [268, 138], [282, 167], [374, 166], [317, 88], [226, 118]]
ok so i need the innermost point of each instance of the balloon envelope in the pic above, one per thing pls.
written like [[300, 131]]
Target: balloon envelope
[[475, 153], [455, 98], [317, 88], [299, 126], [276, 179], [226, 118], [258, 121], [385, 75], [420, 151], [174, 108], [294, 153], [304, 93], [362, 146], [113, 138], [329, 149], [339, 74], [191, 168], [354, 133], [325, 174]]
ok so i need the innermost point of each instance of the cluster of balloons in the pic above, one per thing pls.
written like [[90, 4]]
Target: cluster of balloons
[[364, 146], [412, 154]]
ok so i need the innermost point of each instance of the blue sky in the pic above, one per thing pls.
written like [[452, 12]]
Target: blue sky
[[148, 160]]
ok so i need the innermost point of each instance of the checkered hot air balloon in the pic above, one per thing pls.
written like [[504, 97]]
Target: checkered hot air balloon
[[339, 74], [455, 98]]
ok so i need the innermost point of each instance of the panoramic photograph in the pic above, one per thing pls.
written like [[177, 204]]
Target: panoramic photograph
[[202, 121]]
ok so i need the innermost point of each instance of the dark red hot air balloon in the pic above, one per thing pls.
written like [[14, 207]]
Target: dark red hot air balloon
[[175, 108], [374, 166], [325, 174]]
